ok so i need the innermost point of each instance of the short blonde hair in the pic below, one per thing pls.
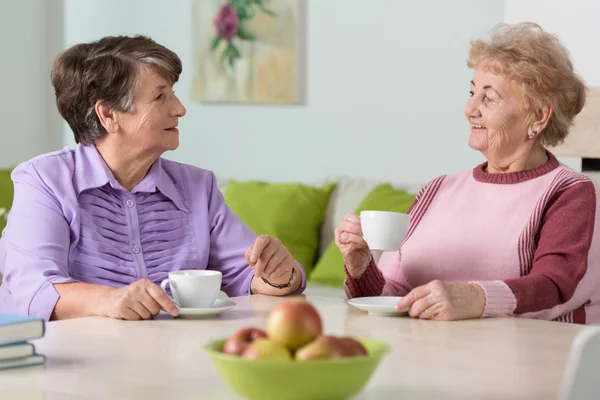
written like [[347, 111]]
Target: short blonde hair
[[540, 69]]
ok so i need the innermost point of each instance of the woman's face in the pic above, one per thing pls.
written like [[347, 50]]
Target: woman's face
[[152, 126], [498, 122]]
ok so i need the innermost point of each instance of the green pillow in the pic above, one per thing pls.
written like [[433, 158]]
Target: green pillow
[[291, 212], [330, 268], [6, 193]]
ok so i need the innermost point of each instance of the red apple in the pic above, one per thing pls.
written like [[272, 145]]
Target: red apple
[[239, 341], [294, 323], [354, 347], [322, 348], [266, 349]]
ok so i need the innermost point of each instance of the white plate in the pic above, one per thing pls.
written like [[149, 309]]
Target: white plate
[[379, 305], [220, 306]]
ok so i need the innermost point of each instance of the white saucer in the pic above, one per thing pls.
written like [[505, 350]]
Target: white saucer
[[379, 305], [220, 306]]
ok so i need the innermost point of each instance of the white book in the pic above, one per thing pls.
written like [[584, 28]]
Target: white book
[[17, 350], [36, 359]]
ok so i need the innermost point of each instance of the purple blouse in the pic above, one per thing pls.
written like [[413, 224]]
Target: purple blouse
[[71, 221]]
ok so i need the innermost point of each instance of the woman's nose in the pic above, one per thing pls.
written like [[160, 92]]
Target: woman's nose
[[178, 109], [472, 108]]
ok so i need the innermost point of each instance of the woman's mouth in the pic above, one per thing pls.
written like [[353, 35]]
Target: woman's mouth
[[172, 129], [477, 128]]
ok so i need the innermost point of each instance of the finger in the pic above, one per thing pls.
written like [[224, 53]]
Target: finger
[[247, 255], [414, 295], [351, 238], [431, 312], [275, 268], [162, 299], [138, 307], [265, 257], [352, 218], [129, 315], [419, 308], [151, 305], [259, 245], [350, 227]]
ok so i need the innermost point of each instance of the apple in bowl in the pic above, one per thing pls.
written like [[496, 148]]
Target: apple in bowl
[[294, 323], [240, 340]]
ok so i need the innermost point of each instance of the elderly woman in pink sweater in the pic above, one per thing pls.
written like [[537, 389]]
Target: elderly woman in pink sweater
[[516, 235]]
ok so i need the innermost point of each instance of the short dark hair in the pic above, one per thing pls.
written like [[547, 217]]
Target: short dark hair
[[105, 70]]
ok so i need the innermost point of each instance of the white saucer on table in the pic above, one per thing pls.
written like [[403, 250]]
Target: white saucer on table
[[221, 304], [379, 305]]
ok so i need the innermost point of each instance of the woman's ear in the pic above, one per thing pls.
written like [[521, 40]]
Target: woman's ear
[[107, 117], [542, 117]]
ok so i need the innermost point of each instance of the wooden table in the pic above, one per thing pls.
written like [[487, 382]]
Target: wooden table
[[507, 358]]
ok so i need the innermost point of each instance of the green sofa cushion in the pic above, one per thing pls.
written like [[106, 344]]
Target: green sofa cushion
[[6, 193], [291, 212], [330, 268]]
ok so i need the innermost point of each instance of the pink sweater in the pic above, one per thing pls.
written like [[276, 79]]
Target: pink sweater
[[529, 239]]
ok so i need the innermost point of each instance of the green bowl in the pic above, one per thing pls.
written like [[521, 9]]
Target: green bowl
[[303, 380]]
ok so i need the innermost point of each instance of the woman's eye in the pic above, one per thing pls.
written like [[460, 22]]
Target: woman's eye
[[160, 96]]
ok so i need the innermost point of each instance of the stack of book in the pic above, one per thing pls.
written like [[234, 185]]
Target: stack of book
[[15, 350]]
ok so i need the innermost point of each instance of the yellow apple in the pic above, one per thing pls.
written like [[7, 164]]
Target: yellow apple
[[266, 349]]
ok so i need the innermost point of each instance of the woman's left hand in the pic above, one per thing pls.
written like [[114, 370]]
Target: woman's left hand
[[443, 301], [271, 260]]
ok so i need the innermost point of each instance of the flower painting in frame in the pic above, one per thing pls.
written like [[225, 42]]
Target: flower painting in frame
[[249, 51]]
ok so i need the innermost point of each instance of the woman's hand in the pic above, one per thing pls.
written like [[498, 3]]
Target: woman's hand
[[142, 299], [354, 249], [444, 301], [272, 261]]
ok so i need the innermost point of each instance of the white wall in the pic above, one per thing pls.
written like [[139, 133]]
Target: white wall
[[576, 25], [30, 36], [387, 82]]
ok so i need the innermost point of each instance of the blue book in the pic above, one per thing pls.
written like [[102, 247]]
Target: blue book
[[16, 328], [17, 350], [35, 359]]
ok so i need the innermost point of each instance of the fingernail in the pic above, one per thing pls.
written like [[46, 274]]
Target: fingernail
[[252, 259], [175, 312]]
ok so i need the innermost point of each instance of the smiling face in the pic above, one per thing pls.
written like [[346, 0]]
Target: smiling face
[[499, 125], [152, 126]]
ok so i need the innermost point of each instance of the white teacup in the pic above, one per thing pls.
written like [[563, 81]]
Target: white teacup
[[194, 288], [384, 230]]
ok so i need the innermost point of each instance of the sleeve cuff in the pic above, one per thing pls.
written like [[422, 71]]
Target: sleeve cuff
[[248, 283], [303, 284], [500, 301], [44, 300], [371, 283]]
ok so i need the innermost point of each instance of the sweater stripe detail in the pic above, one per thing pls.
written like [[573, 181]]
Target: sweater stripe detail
[[421, 205], [526, 239], [563, 180], [579, 315], [573, 317]]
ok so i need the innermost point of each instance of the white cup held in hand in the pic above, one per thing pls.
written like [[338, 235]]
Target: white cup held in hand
[[194, 288], [384, 230]]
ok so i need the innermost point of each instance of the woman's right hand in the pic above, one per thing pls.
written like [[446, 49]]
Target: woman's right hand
[[142, 299], [354, 249]]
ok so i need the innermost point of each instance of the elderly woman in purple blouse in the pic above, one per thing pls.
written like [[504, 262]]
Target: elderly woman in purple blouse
[[93, 229]]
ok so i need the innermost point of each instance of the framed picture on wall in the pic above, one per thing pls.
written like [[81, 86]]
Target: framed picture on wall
[[249, 51]]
